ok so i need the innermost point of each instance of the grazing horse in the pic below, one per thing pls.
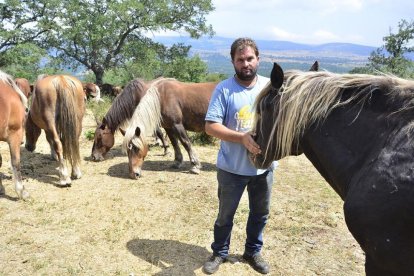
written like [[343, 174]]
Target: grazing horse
[[92, 91], [58, 106], [13, 104], [118, 116], [177, 107], [358, 131]]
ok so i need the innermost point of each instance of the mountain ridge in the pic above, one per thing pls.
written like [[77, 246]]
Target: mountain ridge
[[335, 57]]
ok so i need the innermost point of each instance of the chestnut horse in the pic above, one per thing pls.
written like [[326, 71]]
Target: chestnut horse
[[24, 86], [58, 106], [357, 130], [13, 104], [117, 116], [177, 107]]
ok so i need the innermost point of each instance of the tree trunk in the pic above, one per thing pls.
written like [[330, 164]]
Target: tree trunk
[[99, 73]]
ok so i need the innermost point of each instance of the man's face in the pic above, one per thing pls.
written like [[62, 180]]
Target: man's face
[[245, 64]]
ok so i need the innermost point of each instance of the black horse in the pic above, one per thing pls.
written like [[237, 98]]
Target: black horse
[[358, 132]]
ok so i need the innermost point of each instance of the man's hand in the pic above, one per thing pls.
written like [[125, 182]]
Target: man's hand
[[249, 143]]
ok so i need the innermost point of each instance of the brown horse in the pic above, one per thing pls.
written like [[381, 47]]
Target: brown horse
[[92, 91], [117, 116], [177, 107], [58, 106], [24, 86], [13, 104], [357, 130]]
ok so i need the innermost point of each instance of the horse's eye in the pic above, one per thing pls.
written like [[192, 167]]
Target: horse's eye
[[130, 146]]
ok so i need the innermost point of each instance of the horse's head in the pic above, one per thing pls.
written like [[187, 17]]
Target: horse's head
[[104, 140], [137, 150], [265, 117]]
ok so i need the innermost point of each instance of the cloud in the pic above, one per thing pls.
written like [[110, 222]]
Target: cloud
[[280, 34]]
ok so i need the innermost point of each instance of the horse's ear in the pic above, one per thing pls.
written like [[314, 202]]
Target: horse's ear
[[276, 76], [137, 132], [122, 131], [315, 67]]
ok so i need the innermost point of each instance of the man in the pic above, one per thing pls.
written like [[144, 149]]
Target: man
[[229, 118]]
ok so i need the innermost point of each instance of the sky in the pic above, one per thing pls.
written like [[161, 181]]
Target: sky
[[363, 22]]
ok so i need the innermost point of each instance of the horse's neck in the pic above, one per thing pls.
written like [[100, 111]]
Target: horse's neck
[[341, 146]]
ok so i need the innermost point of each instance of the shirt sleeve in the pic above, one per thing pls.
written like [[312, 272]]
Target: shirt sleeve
[[217, 107]]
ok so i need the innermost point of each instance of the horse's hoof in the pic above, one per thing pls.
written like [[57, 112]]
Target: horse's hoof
[[24, 195], [65, 183], [76, 176], [195, 170], [2, 190]]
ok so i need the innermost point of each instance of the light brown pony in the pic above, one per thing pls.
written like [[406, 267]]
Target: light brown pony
[[13, 104], [176, 106], [58, 106], [24, 86]]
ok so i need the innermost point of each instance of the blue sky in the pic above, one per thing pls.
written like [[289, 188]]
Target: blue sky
[[363, 22]]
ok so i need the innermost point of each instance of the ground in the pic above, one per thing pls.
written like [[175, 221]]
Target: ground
[[161, 224]]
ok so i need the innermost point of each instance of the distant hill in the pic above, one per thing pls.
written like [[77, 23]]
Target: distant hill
[[334, 57]]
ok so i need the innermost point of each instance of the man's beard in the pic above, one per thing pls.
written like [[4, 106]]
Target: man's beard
[[244, 76]]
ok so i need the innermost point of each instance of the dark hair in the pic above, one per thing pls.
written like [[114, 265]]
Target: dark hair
[[241, 43]]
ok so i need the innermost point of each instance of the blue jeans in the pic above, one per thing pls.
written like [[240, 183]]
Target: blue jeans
[[230, 190]]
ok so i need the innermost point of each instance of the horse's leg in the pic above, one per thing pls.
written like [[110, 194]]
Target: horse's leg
[[76, 171], [2, 192], [164, 142], [182, 135], [14, 146], [53, 153], [178, 156], [58, 148]]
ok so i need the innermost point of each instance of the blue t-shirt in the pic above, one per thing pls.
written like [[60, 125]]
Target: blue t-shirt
[[231, 105]]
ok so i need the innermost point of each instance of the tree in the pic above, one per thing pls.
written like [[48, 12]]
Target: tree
[[102, 34], [21, 22], [23, 61], [177, 64], [391, 57]]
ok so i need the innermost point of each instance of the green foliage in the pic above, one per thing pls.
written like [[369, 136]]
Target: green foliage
[[99, 109], [390, 58], [90, 134], [100, 35], [23, 61], [201, 138], [215, 77]]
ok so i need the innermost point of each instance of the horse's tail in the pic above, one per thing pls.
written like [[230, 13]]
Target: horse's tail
[[67, 123]]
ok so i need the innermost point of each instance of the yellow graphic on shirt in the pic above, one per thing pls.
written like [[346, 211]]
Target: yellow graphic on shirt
[[244, 119]]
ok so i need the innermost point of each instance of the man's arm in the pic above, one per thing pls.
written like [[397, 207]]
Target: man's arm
[[223, 133]]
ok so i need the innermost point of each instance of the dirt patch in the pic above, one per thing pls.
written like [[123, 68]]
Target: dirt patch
[[161, 224]]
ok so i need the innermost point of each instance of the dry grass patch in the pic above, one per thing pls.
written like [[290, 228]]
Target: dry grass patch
[[161, 224]]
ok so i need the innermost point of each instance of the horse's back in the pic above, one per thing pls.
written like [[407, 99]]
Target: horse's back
[[185, 103]]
